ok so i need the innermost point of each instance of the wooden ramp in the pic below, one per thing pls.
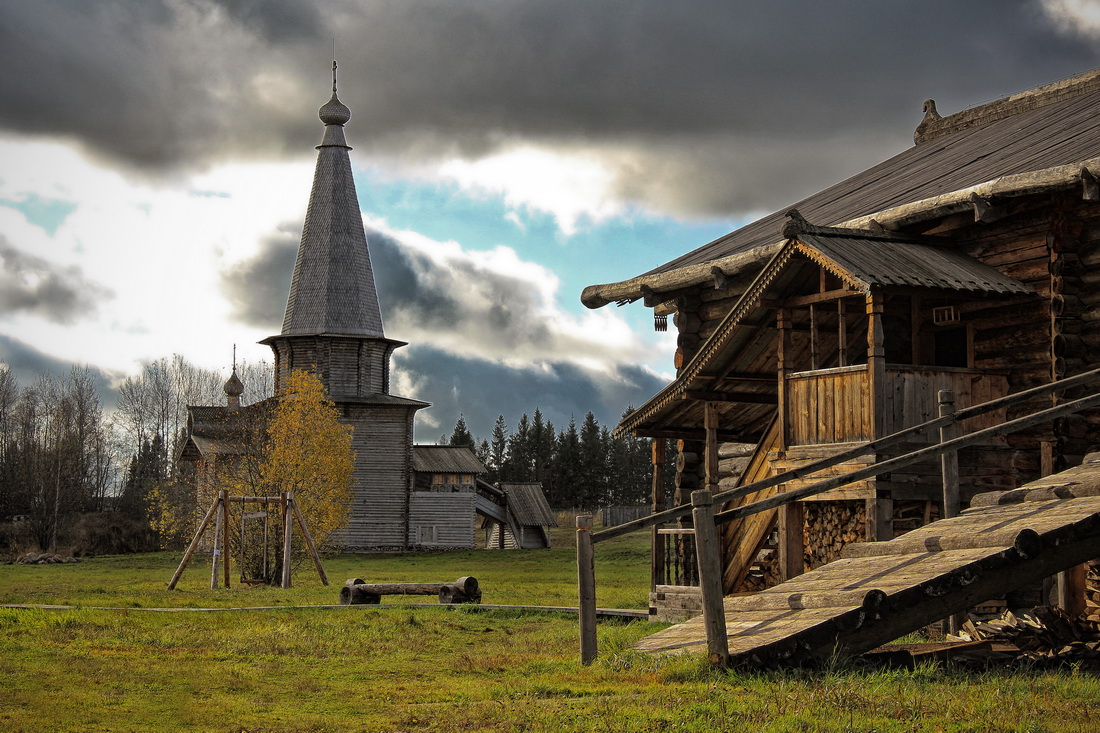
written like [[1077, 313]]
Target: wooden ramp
[[879, 591]]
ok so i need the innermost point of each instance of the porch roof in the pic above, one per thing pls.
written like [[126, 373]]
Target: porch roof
[[736, 365]]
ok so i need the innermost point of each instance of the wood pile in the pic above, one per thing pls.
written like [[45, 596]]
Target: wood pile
[[829, 526], [1092, 593], [1044, 635]]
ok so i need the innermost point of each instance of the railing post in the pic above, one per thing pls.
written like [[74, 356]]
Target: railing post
[[949, 461], [586, 588], [710, 576]]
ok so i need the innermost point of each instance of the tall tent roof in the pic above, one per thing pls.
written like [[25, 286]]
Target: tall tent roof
[[333, 290]]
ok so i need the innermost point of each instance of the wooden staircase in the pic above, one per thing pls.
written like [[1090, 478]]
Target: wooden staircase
[[879, 591], [743, 539]]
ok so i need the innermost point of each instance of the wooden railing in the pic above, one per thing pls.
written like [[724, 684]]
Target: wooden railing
[[706, 520]]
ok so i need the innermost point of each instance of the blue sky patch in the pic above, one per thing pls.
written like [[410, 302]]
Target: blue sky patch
[[48, 214]]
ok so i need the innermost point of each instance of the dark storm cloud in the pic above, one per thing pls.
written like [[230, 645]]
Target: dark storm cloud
[[723, 103], [419, 293], [258, 287], [480, 390], [30, 284], [28, 364]]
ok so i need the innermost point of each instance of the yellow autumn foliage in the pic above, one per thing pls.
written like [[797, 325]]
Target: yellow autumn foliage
[[308, 451]]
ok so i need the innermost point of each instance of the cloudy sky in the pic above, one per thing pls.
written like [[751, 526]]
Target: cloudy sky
[[156, 159]]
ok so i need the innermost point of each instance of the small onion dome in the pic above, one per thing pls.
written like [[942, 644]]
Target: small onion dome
[[334, 112], [233, 387]]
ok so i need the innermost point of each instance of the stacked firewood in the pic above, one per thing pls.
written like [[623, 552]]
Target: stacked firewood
[[910, 515], [829, 526], [1044, 635], [764, 573], [1092, 592]]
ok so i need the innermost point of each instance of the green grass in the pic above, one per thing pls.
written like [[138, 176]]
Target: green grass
[[431, 669]]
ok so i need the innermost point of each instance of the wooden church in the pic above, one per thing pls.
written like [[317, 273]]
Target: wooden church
[[333, 325], [968, 264]]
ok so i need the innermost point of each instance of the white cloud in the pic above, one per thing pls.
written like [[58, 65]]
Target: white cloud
[[493, 305], [571, 186], [157, 248], [1076, 16]]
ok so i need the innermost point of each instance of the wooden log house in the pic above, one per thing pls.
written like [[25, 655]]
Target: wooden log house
[[968, 263]]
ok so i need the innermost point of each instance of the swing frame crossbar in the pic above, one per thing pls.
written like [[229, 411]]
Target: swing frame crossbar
[[218, 513]]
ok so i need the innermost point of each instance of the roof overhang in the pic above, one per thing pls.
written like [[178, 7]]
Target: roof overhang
[[744, 265]]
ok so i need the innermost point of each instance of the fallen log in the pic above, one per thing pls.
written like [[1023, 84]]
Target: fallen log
[[463, 590]]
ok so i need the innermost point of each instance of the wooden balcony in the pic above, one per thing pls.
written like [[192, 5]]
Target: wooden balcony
[[837, 405]]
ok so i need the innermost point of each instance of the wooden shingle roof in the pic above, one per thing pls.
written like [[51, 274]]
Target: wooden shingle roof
[[333, 289], [528, 505], [446, 459]]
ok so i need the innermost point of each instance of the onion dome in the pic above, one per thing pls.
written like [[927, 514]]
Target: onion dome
[[334, 112], [233, 386]]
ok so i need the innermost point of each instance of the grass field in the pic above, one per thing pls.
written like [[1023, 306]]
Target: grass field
[[396, 667]]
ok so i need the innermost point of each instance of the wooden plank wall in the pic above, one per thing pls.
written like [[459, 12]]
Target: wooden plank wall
[[829, 407], [379, 509], [450, 519]]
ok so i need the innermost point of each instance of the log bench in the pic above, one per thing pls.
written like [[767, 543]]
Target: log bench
[[463, 590]]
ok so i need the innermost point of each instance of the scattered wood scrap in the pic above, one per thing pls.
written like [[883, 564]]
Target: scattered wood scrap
[[1046, 636]]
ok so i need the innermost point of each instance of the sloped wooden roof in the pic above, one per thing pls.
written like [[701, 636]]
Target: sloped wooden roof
[[528, 504], [1038, 139], [866, 259], [744, 342], [446, 459]]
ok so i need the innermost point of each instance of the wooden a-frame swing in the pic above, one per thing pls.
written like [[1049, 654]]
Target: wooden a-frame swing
[[219, 512]]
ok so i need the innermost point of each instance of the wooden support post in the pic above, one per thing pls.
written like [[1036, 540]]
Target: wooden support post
[[949, 470], [949, 461], [876, 364], [791, 543], [219, 523], [586, 588], [223, 497], [707, 552], [288, 524], [1071, 590], [1046, 458], [842, 333], [309, 542], [880, 519], [783, 324], [657, 555], [193, 546], [710, 424]]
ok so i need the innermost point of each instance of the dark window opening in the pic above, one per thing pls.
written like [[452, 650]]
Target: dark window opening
[[950, 347]]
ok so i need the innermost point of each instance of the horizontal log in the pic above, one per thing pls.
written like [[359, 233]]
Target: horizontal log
[[355, 591], [1026, 542], [775, 601]]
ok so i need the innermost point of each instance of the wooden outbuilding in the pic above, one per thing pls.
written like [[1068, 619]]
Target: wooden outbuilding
[[531, 519], [968, 264]]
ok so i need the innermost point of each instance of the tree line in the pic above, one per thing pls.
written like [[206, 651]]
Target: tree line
[[585, 467], [63, 455]]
